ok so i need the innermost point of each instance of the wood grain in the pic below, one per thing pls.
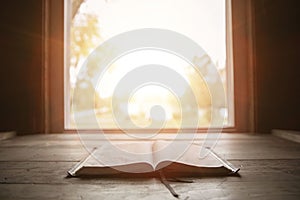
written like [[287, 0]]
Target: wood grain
[[34, 167]]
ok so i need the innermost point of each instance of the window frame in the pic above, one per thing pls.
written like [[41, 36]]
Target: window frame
[[239, 32]]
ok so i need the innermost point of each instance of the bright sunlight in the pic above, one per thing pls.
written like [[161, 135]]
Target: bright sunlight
[[95, 21]]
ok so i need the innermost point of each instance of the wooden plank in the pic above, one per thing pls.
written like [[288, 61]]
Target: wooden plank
[[55, 172], [42, 154], [93, 136], [7, 135], [69, 151], [153, 189], [19, 142], [231, 150], [240, 190], [287, 134]]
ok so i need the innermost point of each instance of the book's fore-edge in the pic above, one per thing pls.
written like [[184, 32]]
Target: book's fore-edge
[[233, 170]]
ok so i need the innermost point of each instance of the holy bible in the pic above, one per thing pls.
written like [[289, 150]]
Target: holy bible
[[173, 158]]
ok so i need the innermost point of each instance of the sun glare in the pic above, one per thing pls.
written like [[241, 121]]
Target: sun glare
[[96, 21], [129, 62]]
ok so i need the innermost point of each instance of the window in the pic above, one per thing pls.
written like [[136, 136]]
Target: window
[[88, 23]]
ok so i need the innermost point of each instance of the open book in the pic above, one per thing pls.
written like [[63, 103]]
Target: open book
[[149, 157]]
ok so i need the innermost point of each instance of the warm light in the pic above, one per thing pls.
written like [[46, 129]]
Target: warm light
[[203, 21], [137, 59]]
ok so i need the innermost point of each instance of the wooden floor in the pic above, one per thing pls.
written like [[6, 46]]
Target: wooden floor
[[34, 167]]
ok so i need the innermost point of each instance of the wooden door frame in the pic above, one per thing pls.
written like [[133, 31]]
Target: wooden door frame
[[54, 66]]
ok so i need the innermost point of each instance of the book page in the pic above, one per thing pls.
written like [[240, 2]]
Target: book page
[[181, 152], [120, 154]]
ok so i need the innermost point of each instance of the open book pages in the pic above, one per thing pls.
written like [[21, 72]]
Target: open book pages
[[147, 157]]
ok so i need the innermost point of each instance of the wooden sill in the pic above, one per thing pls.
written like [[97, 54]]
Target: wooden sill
[[148, 131]]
